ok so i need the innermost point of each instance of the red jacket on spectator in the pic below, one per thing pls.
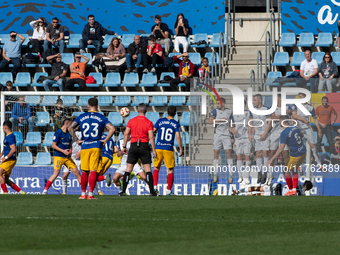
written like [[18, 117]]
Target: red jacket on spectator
[[180, 62]]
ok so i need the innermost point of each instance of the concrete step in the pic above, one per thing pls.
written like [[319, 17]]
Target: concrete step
[[233, 81], [250, 43], [243, 56], [242, 70], [242, 62], [205, 142], [248, 50]]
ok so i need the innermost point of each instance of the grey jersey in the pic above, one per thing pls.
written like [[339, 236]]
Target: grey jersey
[[222, 129], [276, 124], [259, 130], [241, 124], [309, 108]]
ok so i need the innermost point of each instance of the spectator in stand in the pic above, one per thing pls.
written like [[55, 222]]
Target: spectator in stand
[[115, 57], [161, 32], [9, 100], [39, 35], [335, 151], [93, 35], [55, 35], [134, 57], [21, 113], [181, 29], [58, 74], [327, 71], [59, 113], [324, 114], [154, 54], [186, 71], [204, 70], [12, 53], [308, 72], [77, 73]]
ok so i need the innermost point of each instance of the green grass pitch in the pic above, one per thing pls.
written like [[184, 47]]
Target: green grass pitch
[[169, 225]]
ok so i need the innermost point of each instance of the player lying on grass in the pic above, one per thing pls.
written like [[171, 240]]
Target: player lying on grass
[[137, 170], [167, 129], [274, 189], [8, 159], [62, 154], [290, 136]]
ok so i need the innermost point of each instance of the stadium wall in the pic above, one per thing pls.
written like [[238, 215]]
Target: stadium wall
[[121, 16], [310, 16], [32, 179]]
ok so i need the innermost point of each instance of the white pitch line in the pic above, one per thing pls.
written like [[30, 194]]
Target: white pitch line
[[178, 220]]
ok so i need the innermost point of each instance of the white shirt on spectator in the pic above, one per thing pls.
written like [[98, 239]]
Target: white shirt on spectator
[[308, 67], [37, 35]]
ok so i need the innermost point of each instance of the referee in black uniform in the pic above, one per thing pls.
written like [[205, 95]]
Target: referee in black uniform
[[141, 130]]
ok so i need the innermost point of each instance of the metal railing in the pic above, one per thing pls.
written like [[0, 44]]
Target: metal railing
[[252, 79], [268, 47], [259, 71], [221, 46]]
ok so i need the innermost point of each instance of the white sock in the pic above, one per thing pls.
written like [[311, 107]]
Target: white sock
[[265, 161], [45, 191], [316, 156], [230, 165], [97, 187], [168, 191], [247, 171], [154, 187], [215, 162], [83, 193], [64, 186], [258, 164], [119, 189], [239, 165], [90, 194]]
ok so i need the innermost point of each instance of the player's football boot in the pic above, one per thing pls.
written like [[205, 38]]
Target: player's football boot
[[230, 179], [235, 192], [22, 192], [156, 191], [108, 180], [82, 197], [170, 194], [100, 193], [153, 194], [259, 177], [240, 180], [64, 194], [91, 197], [246, 181], [121, 194], [293, 193], [269, 180], [264, 178]]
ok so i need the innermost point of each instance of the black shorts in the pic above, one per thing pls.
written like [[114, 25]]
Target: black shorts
[[142, 152]]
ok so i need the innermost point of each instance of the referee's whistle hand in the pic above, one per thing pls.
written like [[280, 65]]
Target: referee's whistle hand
[[125, 151]]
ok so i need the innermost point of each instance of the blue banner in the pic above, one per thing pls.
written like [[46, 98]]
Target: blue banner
[[311, 16]]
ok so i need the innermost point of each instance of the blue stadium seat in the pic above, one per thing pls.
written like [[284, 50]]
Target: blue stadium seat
[[89, 55], [122, 101], [324, 40], [165, 114], [127, 39], [132, 115], [43, 159], [36, 77], [215, 40], [267, 101], [83, 100], [271, 77], [186, 138], [112, 80], [48, 139], [31, 65], [152, 116], [27, 39], [116, 119], [193, 100], [185, 120], [177, 100], [281, 59], [69, 100], [33, 139], [172, 54], [287, 40], [32, 100], [67, 58], [306, 40], [171, 74], [298, 57], [4, 38], [24, 158], [107, 40], [6, 76], [22, 80], [289, 84], [318, 56], [148, 80], [49, 100], [104, 100], [195, 58], [336, 57], [73, 41], [336, 38], [159, 101], [19, 138], [42, 119], [120, 136], [130, 80], [200, 37], [209, 55], [76, 114], [140, 99], [99, 80]]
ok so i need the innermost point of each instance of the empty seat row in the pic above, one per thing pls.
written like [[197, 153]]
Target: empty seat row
[[306, 40]]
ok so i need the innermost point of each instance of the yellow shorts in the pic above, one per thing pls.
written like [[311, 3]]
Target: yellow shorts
[[68, 162], [106, 163], [295, 162], [8, 166], [168, 156], [91, 159]]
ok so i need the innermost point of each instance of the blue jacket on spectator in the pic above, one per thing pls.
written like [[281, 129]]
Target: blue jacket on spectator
[[100, 31], [24, 111]]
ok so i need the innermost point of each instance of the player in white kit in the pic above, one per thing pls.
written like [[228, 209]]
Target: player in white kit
[[304, 125], [261, 137], [222, 139], [243, 143], [137, 170], [76, 148]]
